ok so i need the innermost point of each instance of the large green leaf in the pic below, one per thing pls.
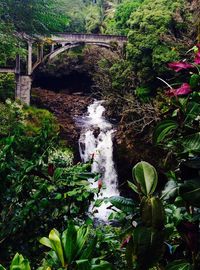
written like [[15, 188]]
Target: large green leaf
[[54, 237], [2, 268], [69, 241], [124, 204], [179, 265], [146, 176], [82, 237], [190, 192], [163, 129], [191, 143]]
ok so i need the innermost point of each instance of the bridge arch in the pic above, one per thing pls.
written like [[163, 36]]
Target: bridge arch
[[65, 41], [64, 48]]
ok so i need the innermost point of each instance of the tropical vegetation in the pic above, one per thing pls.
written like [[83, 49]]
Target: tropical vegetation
[[151, 88]]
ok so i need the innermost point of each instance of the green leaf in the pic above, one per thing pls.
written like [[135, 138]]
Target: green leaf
[[69, 241], [132, 186], [193, 110], [85, 175], [2, 268], [179, 265], [194, 80], [124, 204], [190, 192], [19, 263], [191, 143], [83, 264], [103, 265], [46, 242], [54, 237], [58, 173], [89, 249], [163, 129], [82, 237], [146, 176]]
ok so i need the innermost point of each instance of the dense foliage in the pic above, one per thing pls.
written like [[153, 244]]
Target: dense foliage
[[45, 196], [37, 190]]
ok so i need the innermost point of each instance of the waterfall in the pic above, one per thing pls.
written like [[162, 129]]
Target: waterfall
[[96, 142]]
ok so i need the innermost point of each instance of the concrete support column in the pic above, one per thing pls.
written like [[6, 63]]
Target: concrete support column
[[17, 86], [17, 77], [38, 53], [23, 88], [52, 48], [41, 52], [29, 64]]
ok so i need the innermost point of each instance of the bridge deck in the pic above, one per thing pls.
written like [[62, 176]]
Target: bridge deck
[[7, 70], [62, 37]]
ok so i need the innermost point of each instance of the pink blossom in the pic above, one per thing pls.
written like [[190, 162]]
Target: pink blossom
[[100, 184], [177, 66], [126, 241], [197, 57], [185, 89]]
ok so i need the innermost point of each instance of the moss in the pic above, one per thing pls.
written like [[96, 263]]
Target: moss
[[36, 118]]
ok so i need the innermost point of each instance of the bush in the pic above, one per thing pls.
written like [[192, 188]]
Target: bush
[[7, 86], [39, 187]]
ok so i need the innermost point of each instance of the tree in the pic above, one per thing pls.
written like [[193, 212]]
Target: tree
[[32, 16], [158, 31]]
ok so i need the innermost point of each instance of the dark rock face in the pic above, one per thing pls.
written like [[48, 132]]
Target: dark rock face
[[66, 108]]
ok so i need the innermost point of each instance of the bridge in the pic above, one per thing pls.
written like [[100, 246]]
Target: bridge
[[54, 45]]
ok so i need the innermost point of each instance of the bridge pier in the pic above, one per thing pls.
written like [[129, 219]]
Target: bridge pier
[[23, 88]]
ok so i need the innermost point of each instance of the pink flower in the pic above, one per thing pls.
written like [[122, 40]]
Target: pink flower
[[177, 66], [197, 57], [100, 184], [185, 89], [125, 241]]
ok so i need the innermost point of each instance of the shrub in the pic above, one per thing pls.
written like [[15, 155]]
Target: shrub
[[7, 86]]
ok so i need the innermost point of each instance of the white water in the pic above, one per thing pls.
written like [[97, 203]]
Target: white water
[[96, 141]]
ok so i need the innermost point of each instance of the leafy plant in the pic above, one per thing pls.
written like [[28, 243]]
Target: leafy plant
[[18, 262], [73, 248], [145, 178], [179, 132], [37, 190]]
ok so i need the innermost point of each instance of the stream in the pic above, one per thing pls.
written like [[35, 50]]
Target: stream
[[96, 144]]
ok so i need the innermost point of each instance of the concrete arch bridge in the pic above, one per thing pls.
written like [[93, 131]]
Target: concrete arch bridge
[[54, 45]]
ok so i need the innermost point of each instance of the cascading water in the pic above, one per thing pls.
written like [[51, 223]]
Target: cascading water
[[96, 143]]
